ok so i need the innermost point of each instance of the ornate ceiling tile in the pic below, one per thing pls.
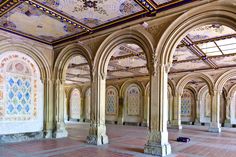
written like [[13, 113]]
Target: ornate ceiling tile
[[93, 14], [34, 23], [209, 31]]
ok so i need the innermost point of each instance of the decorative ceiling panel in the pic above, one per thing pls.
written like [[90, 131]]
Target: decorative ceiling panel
[[70, 19], [209, 31], [224, 61], [193, 65], [94, 13], [33, 22], [183, 53], [160, 2]]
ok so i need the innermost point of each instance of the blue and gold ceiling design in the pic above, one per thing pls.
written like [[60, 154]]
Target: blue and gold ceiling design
[[56, 21]]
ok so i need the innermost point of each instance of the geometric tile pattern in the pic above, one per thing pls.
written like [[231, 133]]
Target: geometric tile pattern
[[18, 92], [133, 97], [187, 101], [111, 101], [18, 87]]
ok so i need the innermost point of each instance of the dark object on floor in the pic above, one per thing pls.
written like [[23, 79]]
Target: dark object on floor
[[183, 139]]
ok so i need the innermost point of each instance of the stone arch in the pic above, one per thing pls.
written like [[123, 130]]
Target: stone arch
[[219, 12], [220, 82], [66, 54], [104, 52], [183, 81], [21, 96], [45, 76]]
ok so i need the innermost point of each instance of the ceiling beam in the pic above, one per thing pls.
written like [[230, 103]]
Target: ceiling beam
[[210, 40]]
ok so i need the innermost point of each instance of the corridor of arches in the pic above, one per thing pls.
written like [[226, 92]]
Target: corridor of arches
[[129, 90]]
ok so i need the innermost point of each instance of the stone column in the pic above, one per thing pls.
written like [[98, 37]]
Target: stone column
[[157, 143], [215, 125], [228, 110], [176, 121], [197, 113], [120, 111], [60, 129], [145, 113], [48, 108], [97, 131], [82, 109], [170, 109]]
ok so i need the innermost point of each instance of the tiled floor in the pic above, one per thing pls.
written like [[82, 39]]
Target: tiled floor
[[126, 141]]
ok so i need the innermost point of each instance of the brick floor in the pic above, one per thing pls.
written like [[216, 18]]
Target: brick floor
[[126, 141]]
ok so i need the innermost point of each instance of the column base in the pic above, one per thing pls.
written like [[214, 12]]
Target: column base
[[175, 124], [215, 128], [227, 123], [157, 144], [60, 133], [48, 134], [97, 135], [159, 150]]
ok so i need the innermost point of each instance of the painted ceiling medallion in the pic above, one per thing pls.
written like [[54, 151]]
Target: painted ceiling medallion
[[90, 4]]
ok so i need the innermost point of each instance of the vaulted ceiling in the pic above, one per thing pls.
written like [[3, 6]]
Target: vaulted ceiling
[[56, 21]]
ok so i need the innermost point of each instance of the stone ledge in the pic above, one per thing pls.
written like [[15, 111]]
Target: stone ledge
[[10, 138]]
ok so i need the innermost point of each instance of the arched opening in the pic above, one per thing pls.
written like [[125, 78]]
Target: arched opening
[[73, 72], [204, 48], [78, 77], [21, 97], [121, 56]]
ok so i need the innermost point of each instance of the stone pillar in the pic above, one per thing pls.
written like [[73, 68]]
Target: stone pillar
[[157, 143], [48, 108], [197, 113], [170, 109], [97, 131], [228, 110], [120, 111], [82, 109], [145, 113], [60, 129], [176, 121], [215, 125]]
